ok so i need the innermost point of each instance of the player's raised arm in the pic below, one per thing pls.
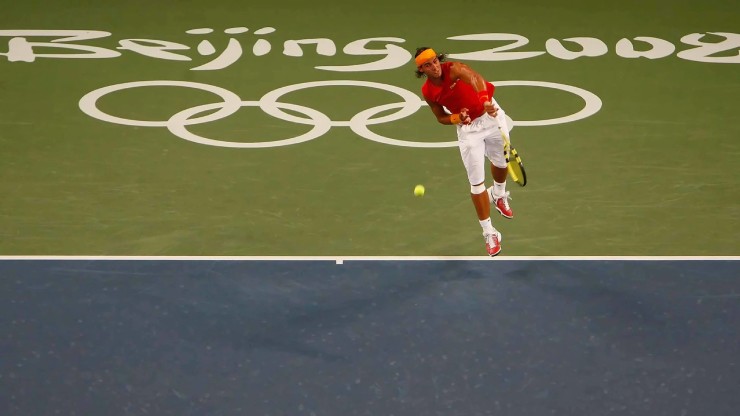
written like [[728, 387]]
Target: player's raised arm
[[459, 70]]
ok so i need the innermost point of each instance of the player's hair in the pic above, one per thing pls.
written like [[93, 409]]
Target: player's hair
[[441, 57]]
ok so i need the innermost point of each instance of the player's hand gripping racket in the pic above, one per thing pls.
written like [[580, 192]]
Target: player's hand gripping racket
[[513, 161]]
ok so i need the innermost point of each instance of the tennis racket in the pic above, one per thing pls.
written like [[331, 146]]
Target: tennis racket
[[513, 162]]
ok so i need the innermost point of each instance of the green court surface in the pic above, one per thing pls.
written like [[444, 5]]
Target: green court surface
[[653, 172]]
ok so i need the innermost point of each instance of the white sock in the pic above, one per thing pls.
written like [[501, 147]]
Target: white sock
[[486, 225], [499, 189]]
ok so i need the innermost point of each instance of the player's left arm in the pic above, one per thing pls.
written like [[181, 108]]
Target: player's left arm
[[459, 70]]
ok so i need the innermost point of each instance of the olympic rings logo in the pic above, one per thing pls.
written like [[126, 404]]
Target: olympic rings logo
[[321, 123]]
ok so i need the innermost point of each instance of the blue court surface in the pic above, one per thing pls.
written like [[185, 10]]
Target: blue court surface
[[365, 337]]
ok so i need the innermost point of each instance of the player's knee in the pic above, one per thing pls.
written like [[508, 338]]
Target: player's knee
[[497, 159], [478, 189]]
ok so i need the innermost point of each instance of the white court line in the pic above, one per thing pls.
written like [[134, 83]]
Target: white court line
[[341, 259]]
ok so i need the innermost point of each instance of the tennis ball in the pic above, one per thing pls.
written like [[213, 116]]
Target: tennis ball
[[419, 190]]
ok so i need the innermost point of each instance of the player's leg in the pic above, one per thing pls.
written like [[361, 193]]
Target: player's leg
[[472, 151], [498, 195], [494, 148]]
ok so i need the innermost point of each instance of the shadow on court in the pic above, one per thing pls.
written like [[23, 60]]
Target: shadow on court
[[369, 338]]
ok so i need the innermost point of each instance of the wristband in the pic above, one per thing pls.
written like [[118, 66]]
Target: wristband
[[483, 96], [455, 118]]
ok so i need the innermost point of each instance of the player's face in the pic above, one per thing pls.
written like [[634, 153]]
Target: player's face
[[432, 68]]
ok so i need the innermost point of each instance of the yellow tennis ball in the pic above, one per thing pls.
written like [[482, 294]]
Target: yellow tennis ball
[[419, 190]]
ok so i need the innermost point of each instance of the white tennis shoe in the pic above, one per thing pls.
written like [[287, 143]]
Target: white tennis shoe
[[493, 243], [501, 204]]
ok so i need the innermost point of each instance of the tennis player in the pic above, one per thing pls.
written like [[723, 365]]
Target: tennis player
[[458, 95]]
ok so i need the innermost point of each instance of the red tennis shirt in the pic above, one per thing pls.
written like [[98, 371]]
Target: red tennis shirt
[[455, 95]]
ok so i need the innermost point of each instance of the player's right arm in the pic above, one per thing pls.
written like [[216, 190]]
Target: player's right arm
[[459, 70], [460, 118]]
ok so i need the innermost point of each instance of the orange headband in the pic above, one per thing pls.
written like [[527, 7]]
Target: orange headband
[[425, 56]]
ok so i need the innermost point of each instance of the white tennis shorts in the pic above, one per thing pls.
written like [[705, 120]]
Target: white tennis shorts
[[481, 140]]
